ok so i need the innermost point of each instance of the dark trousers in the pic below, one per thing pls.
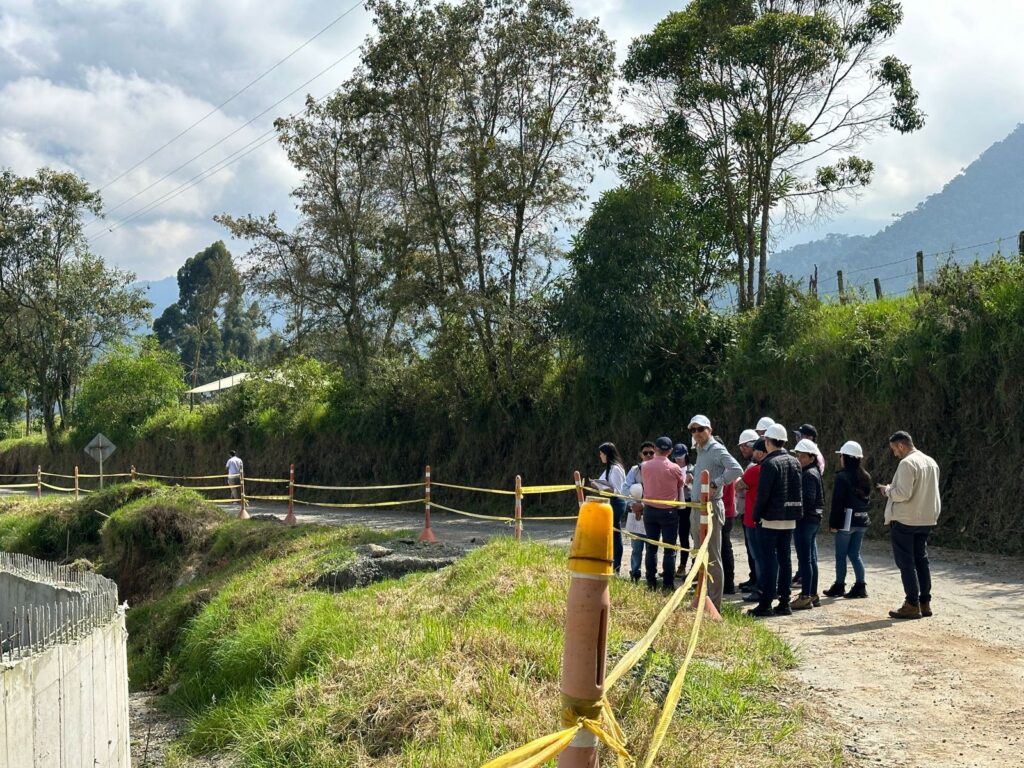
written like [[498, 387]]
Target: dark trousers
[[750, 542], [776, 559], [910, 550], [618, 521], [684, 537], [805, 540], [660, 525], [728, 561]]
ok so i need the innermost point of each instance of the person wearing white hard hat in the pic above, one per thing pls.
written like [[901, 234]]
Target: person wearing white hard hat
[[848, 519], [746, 448], [778, 506], [723, 469], [806, 533], [762, 424]]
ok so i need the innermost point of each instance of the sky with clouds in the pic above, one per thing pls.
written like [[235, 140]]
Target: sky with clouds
[[97, 85]]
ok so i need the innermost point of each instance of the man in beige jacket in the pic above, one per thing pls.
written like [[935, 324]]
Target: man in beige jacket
[[912, 509]]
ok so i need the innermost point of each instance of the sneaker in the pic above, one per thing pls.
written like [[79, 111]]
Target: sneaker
[[760, 611], [747, 586], [730, 589], [907, 611], [753, 597], [926, 607], [803, 602], [782, 609], [836, 590]]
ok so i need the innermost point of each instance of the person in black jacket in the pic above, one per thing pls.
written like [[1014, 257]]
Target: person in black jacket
[[848, 519], [806, 533], [778, 506]]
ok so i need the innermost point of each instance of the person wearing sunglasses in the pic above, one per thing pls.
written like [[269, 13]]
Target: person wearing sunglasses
[[635, 512], [713, 457]]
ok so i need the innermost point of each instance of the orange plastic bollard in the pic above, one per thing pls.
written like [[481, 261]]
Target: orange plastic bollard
[[519, 508], [243, 513], [290, 517], [428, 533], [586, 628], [578, 481], [705, 522]]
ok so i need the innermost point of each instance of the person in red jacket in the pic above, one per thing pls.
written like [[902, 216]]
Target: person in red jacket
[[748, 484], [728, 562]]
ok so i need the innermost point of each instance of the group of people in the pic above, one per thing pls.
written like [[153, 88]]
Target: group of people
[[778, 494]]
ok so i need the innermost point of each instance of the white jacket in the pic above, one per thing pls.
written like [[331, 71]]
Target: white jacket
[[913, 497]]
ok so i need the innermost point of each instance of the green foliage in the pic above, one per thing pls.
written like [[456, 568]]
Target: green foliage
[[124, 390], [283, 399]]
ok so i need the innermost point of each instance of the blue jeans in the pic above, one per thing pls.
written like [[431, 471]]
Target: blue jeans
[[661, 525], [636, 559], [848, 546], [776, 557], [805, 539], [618, 520], [753, 552]]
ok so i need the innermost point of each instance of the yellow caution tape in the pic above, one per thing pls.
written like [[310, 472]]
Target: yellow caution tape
[[19, 485], [57, 488], [29, 474], [207, 487], [180, 477], [534, 489], [653, 502], [630, 535], [557, 517], [498, 491], [113, 474], [54, 474], [473, 514], [357, 487], [282, 480], [267, 498], [357, 506]]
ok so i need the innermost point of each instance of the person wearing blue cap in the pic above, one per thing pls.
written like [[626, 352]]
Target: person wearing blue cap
[[662, 480]]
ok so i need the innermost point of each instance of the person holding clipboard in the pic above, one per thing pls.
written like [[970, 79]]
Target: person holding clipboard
[[611, 480], [848, 519]]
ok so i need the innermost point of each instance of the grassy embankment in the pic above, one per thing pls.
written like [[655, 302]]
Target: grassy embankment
[[440, 669]]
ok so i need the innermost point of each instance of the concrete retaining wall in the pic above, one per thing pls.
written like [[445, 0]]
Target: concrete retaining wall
[[64, 697]]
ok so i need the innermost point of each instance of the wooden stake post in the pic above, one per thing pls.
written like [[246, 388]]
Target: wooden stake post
[[519, 508], [428, 533], [290, 517]]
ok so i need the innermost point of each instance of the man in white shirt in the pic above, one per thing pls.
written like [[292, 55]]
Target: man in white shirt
[[912, 508], [234, 468]]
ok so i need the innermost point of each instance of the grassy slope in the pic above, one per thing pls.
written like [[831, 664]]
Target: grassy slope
[[441, 669]]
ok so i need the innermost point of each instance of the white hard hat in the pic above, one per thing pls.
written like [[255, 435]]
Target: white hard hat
[[851, 448], [776, 432], [806, 446], [763, 423], [747, 436], [636, 490]]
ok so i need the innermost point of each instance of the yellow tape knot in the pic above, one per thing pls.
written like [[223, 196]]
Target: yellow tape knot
[[598, 718]]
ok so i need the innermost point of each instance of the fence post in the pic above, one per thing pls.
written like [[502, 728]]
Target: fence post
[[76, 482], [577, 480], [842, 287], [814, 282], [707, 514], [133, 473], [428, 532], [243, 514], [519, 508], [290, 517], [1020, 243], [920, 270], [39, 481], [586, 628], [878, 288]]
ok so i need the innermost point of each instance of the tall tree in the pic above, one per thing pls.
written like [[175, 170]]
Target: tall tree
[[59, 304], [496, 110], [208, 314], [765, 90]]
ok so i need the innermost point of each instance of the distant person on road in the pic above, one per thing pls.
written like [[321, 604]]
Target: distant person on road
[[611, 480], [635, 513], [234, 468], [662, 481], [723, 469], [746, 448], [912, 508], [848, 519], [681, 456], [807, 526], [778, 506]]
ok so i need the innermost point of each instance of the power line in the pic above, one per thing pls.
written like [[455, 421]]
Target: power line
[[262, 140], [227, 101], [214, 146]]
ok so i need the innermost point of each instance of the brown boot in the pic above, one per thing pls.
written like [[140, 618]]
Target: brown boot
[[926, 607], [908, 611]]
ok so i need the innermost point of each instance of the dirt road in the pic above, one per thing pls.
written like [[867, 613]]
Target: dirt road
[[942, 691]]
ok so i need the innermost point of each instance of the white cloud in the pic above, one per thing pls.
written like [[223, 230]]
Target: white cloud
[[29, 46]]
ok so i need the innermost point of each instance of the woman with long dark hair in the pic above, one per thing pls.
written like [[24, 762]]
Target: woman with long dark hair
[[611, 480], [848, 519]]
